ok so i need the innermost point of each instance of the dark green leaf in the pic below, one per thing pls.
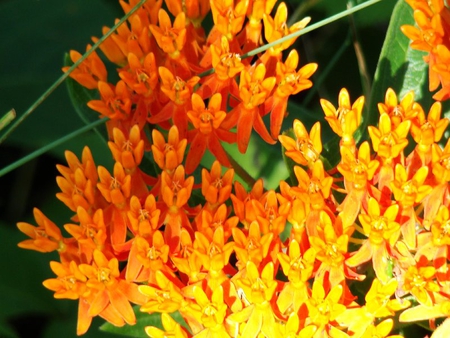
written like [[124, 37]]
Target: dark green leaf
[[399, 67]]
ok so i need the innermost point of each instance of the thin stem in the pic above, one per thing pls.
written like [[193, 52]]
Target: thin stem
[[7, 118], [312, 27], [241, 172], [366, 82], [50, 146], [66, 74], [324, 73]]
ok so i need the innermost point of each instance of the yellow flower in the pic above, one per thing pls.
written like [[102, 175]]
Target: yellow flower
[[379, 302], [298, 268], [305, 149], [409, 193], [210, 313], [382, 232], [171, 329], [165, 297], [382, 330], [346, 118], [330, 250], [257, 292], [406, 110], [324, 308]]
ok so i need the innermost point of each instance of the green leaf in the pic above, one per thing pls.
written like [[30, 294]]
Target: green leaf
[[399, 67], [143, 319]]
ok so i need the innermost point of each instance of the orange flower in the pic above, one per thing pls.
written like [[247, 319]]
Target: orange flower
[[208, 131], [242, 198], [216, 188], [90, 71], [115, 189], [142, 78], [168, 155], [90, 234], [46, 237], [179, 92], [170, 39], [147, 255], [313, 189], [144, 219], [346, 118], [407, 109], [389, 142], [195, 10], [78, 181], [357, 172], [289, 82], [229, 17], [115, 101], [175, 192], [227, 65], [252, 246], [305, 149], [254, 88], [419, 281], [70, 282], [428, 131], [276, 28], [208, 221], [128, 151], [109, 295]]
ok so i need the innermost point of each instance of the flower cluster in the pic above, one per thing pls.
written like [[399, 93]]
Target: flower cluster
[[237, 262], [432, 36]]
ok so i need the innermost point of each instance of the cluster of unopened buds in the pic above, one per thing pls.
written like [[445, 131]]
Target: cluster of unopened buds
[[238, 262]]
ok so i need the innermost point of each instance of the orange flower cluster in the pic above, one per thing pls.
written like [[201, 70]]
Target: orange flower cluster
[[237, 262], [432, 36]]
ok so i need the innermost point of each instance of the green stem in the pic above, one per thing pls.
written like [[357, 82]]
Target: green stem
[[66, 74], [7, 118], [311, 27], [241, 172], [46, 148], [302, 31]]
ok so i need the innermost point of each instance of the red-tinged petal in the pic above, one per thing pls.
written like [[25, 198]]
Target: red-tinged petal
[[217, 150], [196, 151], [244, 129]]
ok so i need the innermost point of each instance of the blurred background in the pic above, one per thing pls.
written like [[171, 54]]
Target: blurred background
[[35, 36]]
